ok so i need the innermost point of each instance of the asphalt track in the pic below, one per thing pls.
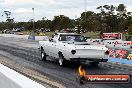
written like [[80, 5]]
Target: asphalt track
[[26, 54]]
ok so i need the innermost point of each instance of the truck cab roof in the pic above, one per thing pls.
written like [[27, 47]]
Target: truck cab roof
[[67, 34]]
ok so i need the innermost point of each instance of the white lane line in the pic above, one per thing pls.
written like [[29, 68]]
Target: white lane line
[[21, 80]]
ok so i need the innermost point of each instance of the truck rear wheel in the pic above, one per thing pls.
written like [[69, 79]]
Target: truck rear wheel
[[43, 55]]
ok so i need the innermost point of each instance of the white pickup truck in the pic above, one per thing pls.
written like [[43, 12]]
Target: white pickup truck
[[72, 47]]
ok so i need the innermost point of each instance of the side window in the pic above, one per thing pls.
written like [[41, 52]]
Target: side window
[[62, 38]]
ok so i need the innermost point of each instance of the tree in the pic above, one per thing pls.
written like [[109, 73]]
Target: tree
[[89, 21], [9, 20], [108, 17], [122, 16], [61, 22], [43, 23]]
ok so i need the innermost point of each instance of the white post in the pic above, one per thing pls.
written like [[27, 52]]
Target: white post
[[33, 18], [85, 7], [85, 12]]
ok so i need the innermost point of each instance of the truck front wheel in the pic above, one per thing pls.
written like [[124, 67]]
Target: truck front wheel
[[62, 60], [43, 55]]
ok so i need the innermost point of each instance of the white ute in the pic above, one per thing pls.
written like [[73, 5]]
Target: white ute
[[72, 47]]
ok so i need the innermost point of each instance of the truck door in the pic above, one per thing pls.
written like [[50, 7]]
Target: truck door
[[52, 49]]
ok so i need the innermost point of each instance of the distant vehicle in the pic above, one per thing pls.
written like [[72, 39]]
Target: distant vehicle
[[72, 47], [67, 31], [6, 31], [47, 30], [17, 29]]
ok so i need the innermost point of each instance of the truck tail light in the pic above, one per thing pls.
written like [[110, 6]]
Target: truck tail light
[[107, 52], [73, 51]]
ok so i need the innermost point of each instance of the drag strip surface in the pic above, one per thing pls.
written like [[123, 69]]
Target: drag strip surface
[[29, 57]]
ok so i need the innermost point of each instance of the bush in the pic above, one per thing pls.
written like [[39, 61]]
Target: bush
[[130, 30]]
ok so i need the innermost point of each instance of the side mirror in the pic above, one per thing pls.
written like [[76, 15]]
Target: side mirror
[[50, 39]]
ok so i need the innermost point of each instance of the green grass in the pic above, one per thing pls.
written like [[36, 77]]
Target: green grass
[[49, 34], [92, 34], [88, 34]]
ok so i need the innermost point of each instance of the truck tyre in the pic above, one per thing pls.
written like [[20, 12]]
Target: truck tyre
[[94, 64], [62, 60], [43, 55]]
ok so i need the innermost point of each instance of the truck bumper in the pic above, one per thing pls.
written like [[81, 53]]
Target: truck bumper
[[89, 60]]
